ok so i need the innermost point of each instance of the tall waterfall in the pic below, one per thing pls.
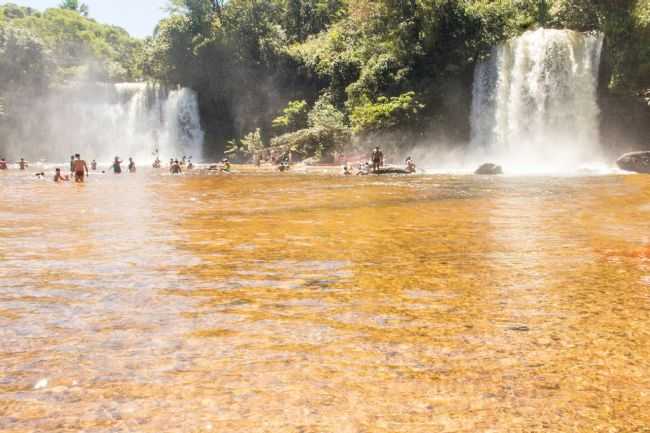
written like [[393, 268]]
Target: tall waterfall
[[534, 102], [102, 121]]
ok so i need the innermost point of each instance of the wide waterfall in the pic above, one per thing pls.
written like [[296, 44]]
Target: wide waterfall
[[102, 121], [534, 102]]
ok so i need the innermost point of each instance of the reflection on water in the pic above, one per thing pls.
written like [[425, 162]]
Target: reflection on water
[[268, 303]]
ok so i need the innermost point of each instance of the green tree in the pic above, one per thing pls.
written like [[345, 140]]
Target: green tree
[[74, 5], [294, 117]]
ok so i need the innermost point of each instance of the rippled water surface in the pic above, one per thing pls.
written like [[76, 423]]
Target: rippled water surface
[[315, 303]]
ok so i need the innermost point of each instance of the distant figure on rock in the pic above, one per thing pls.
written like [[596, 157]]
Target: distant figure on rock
[[410, 165], [377, 159], [3, 164], [364, 169], [80, 169], [131, 165], [117, 165], [225, 165]]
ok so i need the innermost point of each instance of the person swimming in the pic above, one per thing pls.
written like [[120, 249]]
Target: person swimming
[[117, 165], [410, 165]]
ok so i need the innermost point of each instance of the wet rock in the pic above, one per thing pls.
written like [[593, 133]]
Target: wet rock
[[391, 170], [638, 162], [489, 169]]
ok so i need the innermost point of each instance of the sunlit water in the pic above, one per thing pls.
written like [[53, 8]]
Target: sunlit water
[[316, 303]]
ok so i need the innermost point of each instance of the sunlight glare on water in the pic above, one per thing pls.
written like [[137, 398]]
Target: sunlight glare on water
[[317, 303]]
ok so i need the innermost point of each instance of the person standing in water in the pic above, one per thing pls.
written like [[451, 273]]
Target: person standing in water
[[377, 159], [80, 169], [93, 165], [3, 164], [71, 164], [117, 165], [22, 164], [176, 168], [131, 165]]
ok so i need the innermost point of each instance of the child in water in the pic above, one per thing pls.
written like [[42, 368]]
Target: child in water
[[58, 177]]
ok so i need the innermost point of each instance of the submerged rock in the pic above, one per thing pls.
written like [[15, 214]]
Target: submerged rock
[[638, 162], [489, 169], [391, 170]]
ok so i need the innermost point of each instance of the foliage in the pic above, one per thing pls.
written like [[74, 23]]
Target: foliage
[[325, 115], [294, 117], [312, 142], [104, 52], [25, 62], [385, 113], [74, 5]]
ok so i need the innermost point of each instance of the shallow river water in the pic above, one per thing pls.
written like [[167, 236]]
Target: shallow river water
[[316, 303]]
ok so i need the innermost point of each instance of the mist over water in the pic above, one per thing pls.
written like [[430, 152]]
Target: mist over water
[[102, 121], [534, 105]]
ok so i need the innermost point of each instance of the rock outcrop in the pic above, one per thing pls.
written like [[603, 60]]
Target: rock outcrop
[[489, 169], [638, 162]]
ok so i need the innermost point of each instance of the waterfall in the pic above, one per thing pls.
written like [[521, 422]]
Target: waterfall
[[534, 104], [102, 121]]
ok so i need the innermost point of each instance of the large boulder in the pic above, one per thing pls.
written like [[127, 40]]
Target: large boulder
[[489, 169], [638, 162]]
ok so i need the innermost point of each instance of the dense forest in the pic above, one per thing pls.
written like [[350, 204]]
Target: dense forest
[[317, 75]]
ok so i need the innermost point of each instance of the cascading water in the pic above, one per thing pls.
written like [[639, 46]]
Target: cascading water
[[534, 102], [103, 121]]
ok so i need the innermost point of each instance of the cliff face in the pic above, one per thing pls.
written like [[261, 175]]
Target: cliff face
[[625, 122]]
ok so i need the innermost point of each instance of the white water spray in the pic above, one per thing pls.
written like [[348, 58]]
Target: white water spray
[[102, 121], [534, 105]]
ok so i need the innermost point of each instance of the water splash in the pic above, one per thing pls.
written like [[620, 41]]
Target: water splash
[[101, 121], [534, 105]]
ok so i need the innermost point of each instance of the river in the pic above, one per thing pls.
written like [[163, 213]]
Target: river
[[319, 303]]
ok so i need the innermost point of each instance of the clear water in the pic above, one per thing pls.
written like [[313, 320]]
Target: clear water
[[259, 302]]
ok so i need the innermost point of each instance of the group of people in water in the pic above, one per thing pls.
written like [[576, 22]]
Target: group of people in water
[[79, 169]]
